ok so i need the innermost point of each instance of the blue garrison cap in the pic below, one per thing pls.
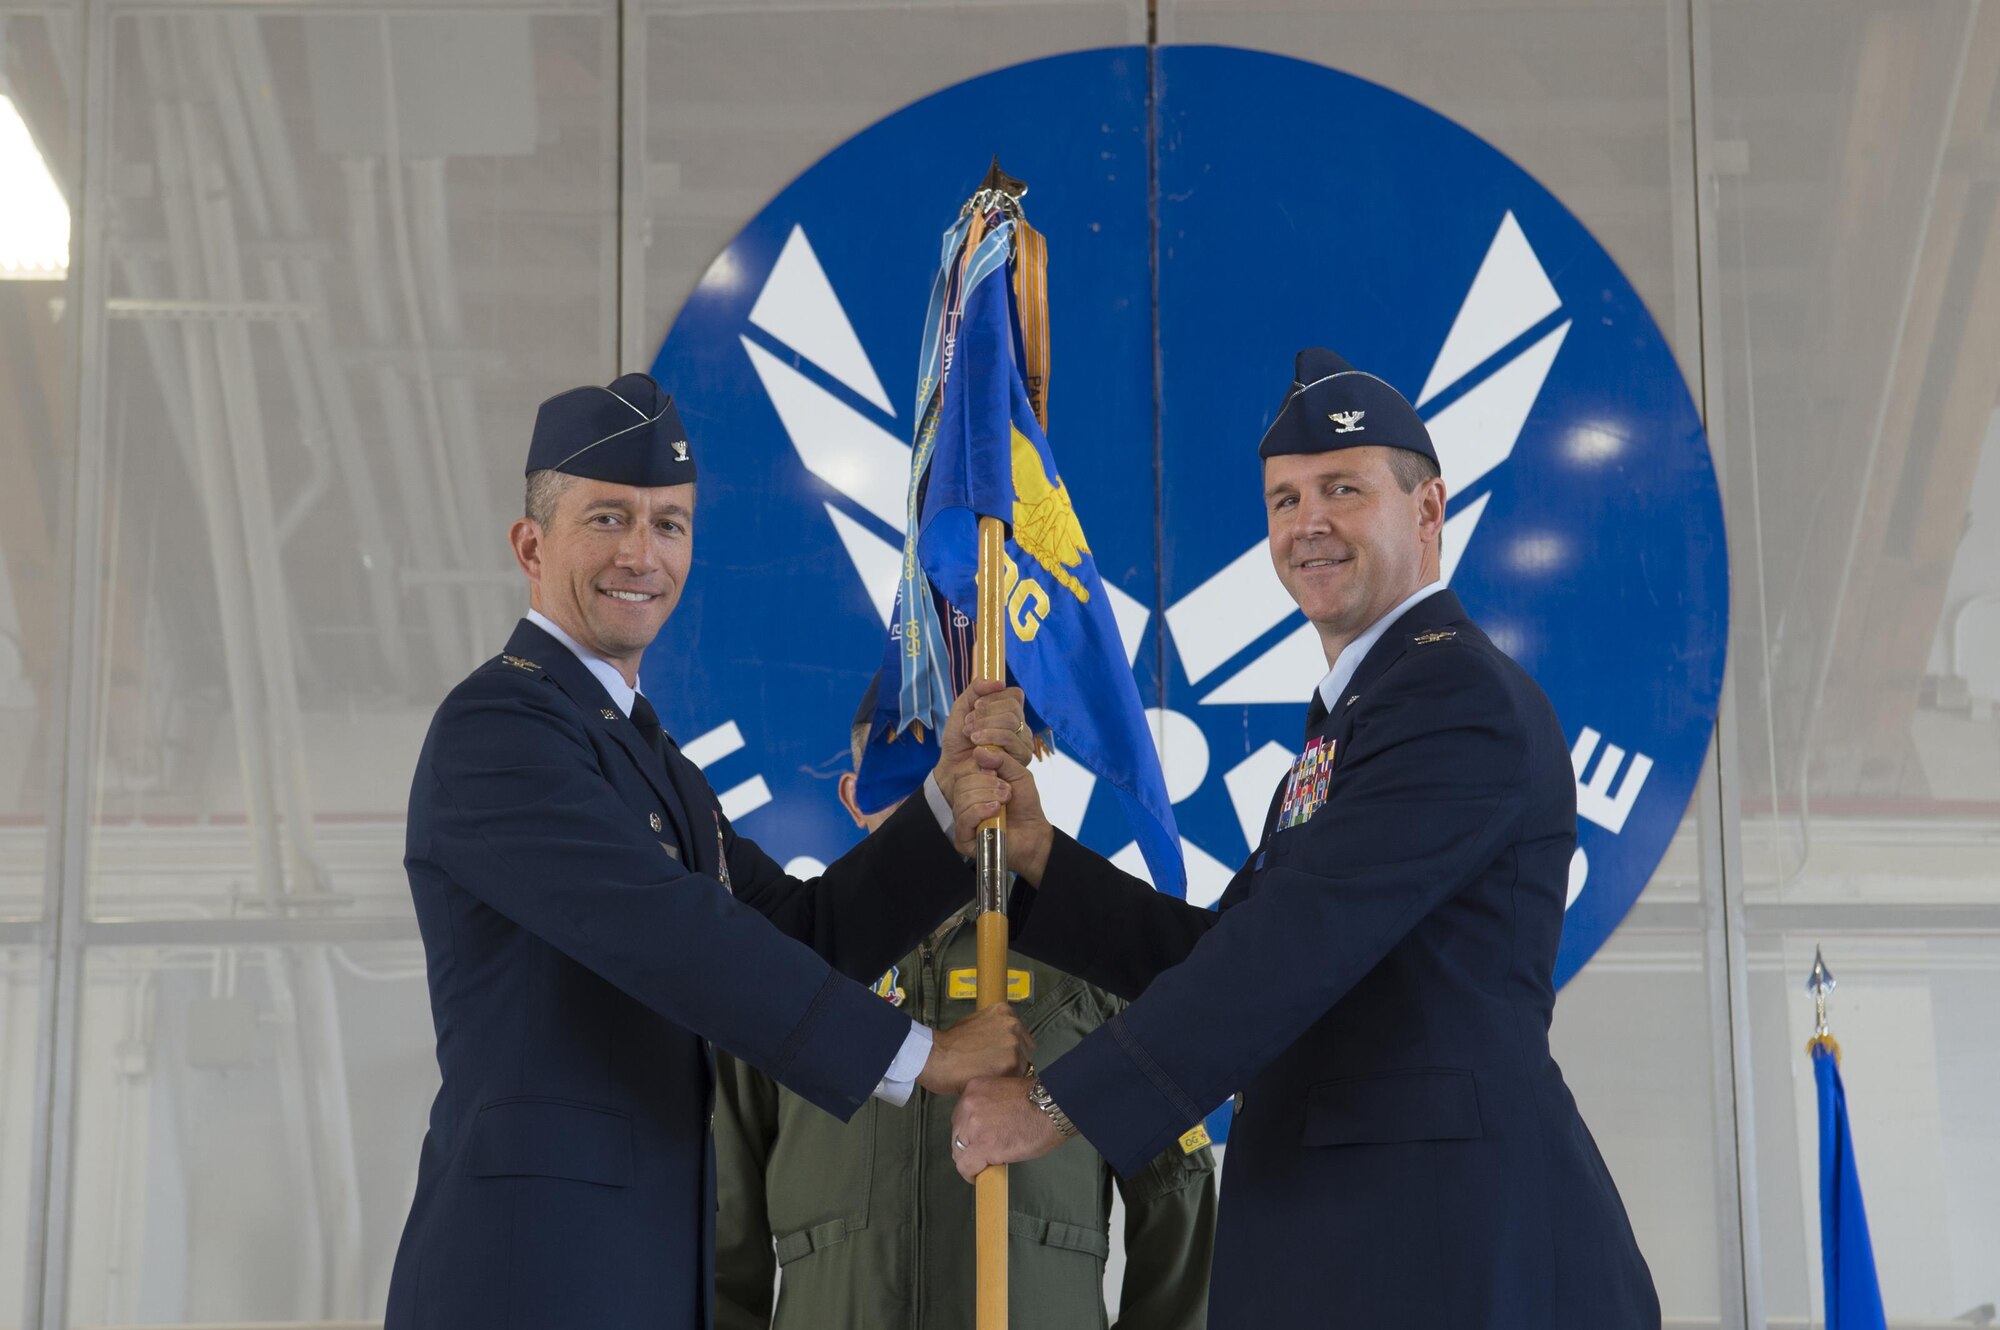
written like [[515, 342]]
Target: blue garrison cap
[[628, 434], [1333, 405]]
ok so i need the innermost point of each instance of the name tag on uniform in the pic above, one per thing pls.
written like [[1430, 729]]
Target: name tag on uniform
[[1306, 790], [964, 984]]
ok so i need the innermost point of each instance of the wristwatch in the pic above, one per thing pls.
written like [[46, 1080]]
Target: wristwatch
[[1038, 1095]]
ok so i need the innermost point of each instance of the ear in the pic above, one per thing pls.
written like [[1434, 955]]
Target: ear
[[848, 784], [526, 538], [1430, 509]]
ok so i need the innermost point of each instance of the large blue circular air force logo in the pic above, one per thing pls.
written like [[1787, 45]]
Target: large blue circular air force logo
[[1268, 205]]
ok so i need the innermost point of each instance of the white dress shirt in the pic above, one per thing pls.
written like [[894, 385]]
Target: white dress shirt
[[901, 1077], [1350, 657]]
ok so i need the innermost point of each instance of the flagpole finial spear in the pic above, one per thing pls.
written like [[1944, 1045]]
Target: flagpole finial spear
[[997, 190], [1821, 985]]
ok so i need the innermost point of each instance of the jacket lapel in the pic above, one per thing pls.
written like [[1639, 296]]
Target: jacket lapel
[[704, 842], [1439, 610], [582, 688]]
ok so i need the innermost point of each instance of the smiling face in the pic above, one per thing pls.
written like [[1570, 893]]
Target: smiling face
[[609, 563], [1348, 542]]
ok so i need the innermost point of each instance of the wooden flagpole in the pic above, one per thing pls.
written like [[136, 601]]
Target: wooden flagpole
[[990, 662]]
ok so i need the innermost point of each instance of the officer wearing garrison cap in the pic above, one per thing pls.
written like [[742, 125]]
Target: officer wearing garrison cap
[[1376, 983], [593, 926]]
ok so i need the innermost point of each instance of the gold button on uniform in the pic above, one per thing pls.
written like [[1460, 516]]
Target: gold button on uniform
[[654, 819]]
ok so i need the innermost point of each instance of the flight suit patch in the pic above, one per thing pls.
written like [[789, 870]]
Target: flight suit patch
[[964, 985], [888, 989], [1306, 790]]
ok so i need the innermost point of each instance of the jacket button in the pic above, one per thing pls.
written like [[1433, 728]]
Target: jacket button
[[654, 821]]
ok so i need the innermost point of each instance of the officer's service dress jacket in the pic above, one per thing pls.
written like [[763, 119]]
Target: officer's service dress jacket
[[591, 921], [1377, 981], [873, 1227]]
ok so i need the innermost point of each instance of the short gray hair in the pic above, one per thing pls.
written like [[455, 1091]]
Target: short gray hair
[[545, 490], [1411, 469]]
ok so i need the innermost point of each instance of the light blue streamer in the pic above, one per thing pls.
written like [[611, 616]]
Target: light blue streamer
[[923, 695]]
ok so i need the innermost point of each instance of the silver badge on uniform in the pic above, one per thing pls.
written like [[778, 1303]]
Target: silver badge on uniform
[[653, 820]]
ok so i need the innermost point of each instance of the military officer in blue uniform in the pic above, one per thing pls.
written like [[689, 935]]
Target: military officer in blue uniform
[[1376, 983], [592, 924]]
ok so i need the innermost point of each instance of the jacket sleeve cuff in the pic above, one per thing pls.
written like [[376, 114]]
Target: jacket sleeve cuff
[[833, 1057], [1119, 1098]]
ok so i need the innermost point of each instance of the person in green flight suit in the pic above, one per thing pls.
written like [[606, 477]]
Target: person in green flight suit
[[871, 1226]]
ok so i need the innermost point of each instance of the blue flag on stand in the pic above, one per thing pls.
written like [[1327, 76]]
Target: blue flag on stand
[[1847, 1257], [981, 451]]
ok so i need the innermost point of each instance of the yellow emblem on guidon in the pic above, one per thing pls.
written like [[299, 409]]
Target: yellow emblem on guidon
[[1045, 522], [1047, 530], [964, 984], [1194, 1138]]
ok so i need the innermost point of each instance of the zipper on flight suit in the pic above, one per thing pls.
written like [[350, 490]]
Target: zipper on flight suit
[[928, 1017], [930, 1003]]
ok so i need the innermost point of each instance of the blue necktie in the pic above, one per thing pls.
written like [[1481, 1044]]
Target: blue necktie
[[647, 721]]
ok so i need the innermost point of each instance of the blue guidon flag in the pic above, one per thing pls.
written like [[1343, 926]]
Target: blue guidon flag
[[1847, 1255], [981, 450]]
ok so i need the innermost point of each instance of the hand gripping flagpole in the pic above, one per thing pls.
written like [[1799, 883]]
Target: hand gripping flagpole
[[989, 661]]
